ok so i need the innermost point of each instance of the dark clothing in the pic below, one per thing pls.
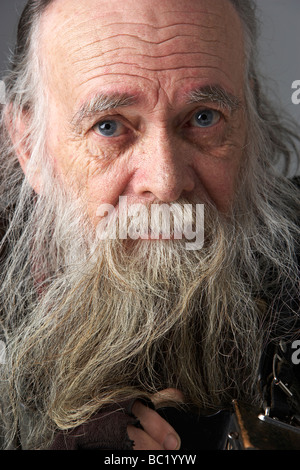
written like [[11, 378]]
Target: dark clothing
[[105, 430]]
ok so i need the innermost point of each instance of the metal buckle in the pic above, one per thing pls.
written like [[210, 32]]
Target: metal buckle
[[280, 424], [276, 380]]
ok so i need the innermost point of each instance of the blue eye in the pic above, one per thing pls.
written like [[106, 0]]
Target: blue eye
[[109, 128], [206, 118]]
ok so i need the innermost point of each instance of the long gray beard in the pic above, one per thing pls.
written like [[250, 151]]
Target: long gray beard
[[119, 319]]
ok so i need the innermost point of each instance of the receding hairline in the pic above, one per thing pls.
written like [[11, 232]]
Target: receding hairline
[[65, 19]]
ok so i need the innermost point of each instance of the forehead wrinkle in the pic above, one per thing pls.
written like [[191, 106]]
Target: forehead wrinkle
[[206, 13], [103, 54], [150, 65], [76, 19], [143, 37], [90, 31], [145, 41], [73, 35], [69, 26], [161, 27], [192, 12], [77, 27], [117, 74], [154, 70], [148, 55]]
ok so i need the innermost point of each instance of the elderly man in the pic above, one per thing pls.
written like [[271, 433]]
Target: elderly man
[[151, 103]]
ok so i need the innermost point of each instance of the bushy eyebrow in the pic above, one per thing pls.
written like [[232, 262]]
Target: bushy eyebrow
[[214, 94], [102, 102]]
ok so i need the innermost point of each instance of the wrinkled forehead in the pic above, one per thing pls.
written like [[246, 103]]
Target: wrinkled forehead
[[139, 39]]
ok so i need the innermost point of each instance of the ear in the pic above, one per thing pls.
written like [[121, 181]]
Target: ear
[[19, 131]]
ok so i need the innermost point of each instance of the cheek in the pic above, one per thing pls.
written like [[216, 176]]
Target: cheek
[[97, 192], [75, 164], [103, 187], [66, 158], [220, 177]]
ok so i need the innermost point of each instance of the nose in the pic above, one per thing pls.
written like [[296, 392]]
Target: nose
[[164, 171]]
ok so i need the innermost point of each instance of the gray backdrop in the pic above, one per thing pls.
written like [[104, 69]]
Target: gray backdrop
[[279, 45]]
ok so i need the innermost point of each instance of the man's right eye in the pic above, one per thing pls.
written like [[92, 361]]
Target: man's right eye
[[109, 128]]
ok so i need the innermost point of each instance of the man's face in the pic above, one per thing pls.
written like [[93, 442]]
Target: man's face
[[129, 108]]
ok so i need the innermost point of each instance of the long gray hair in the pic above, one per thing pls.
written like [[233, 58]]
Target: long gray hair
[[68, 352]]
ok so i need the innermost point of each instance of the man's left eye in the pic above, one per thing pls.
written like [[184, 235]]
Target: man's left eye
[[109, 128], [205, 118]]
